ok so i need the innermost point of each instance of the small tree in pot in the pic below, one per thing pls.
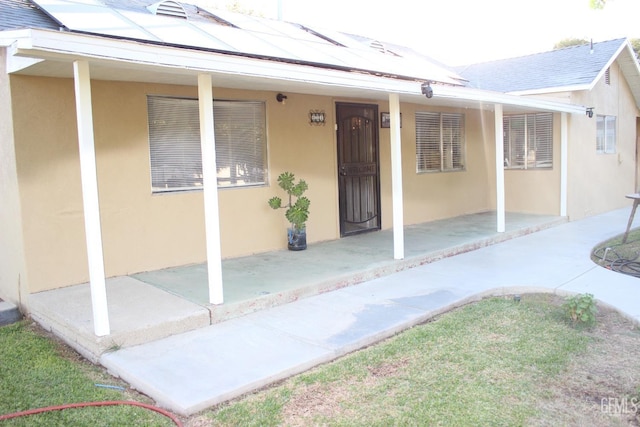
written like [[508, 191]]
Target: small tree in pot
[[297, 209]]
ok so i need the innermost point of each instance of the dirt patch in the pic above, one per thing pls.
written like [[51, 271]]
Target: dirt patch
[[314, 401], [601, 386], [318, 401]]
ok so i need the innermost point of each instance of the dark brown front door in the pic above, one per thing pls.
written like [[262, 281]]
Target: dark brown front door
[[358, 168]]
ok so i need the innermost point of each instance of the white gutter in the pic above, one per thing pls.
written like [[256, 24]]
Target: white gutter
[[64, 46], [489, 97]]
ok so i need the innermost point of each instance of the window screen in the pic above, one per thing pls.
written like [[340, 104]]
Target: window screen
[[439, 142], [174, 141], [528, 141]]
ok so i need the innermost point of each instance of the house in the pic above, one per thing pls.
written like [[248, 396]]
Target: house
[[118, 119], [601, 159]]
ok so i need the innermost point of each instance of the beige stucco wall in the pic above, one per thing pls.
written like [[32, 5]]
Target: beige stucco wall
[[536, 191], [599, 182], [143, 231], [13, 273], [431, 196]]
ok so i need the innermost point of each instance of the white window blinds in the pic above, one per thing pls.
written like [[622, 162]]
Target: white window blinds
[[439, 142], [528, 141], [174, 141], [606, 134]]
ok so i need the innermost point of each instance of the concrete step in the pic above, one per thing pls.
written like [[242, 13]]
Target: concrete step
[[9, 313]]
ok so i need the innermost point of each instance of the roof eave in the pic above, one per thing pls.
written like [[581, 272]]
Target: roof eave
[[67, 47]]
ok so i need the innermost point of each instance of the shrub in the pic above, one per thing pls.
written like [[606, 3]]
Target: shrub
[[581, 309]]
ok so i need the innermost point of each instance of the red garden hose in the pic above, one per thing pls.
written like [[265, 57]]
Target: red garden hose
[[86, 404]]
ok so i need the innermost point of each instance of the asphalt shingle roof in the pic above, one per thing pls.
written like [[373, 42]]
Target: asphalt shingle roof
[[17, 14], [571, 66]]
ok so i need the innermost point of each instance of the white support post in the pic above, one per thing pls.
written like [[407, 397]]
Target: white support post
[[564, 163], [500, 203], [210, 184], [90, 200], [396, 176]]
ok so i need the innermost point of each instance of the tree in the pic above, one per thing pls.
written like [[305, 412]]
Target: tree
[[597, 4], [635, 44], [570, 42]]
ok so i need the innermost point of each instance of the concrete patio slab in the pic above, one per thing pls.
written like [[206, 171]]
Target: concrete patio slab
[[189, 372], [139, 313]]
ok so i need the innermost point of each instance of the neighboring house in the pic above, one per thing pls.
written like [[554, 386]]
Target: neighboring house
[[107, 108]]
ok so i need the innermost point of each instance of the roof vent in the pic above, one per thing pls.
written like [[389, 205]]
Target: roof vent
[[168, 8], [378, 46]]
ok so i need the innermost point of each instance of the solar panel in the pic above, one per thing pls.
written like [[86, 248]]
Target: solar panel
[[93, 17], [253, 36]]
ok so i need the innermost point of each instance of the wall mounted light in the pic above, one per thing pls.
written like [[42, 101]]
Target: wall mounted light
[[590, 112], [281, 98], [316, 117], [426, 89]]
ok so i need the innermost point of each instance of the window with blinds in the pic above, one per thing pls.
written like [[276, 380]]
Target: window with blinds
[[174, 143], [606, 134], [528, 141], [439, 142]]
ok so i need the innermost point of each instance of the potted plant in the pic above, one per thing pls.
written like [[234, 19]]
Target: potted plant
[[297, 209]]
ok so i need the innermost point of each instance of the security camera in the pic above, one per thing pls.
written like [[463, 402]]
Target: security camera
[[426, 89]]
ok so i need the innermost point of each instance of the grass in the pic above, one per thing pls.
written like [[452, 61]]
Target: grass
[[479, 365], [496, 362], [38, 372]]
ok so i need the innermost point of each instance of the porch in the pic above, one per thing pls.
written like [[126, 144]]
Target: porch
[[148, 306]]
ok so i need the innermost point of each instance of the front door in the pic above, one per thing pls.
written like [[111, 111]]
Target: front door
[[358, 168]]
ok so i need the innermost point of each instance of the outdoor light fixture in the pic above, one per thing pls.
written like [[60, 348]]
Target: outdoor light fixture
[[590, 112], [316, 117], [281, 98], [426, 89]]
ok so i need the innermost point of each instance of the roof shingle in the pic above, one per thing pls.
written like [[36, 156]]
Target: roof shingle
[[18, 14], [571, 66]]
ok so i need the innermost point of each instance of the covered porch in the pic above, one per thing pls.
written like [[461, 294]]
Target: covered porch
[[152, 305]]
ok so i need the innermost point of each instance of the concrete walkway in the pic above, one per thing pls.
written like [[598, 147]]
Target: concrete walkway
[[189, 372]]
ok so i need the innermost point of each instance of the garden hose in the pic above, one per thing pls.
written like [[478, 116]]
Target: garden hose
[[161, 411], [619, 264]]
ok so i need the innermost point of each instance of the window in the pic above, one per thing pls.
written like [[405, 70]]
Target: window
[[605, 134], [439, 142], [528, 141], [174, 143]]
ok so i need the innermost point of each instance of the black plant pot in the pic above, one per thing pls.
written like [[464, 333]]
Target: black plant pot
[[297, 239]]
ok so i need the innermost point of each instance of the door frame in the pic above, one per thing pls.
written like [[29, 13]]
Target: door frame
[[341, 187]]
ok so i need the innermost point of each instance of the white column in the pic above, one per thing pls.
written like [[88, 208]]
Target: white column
[[396, 176], [91, 204], [210, 183], [564, 163], [500, 205]]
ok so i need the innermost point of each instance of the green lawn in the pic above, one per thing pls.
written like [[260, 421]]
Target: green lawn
[[38, 372], [478, 366], [497, 362]]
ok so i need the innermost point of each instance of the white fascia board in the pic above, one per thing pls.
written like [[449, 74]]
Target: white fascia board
[[548, 90], [506, 99], [64, 46], [8, 37]]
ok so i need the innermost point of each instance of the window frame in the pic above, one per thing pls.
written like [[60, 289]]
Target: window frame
[[536, 129], [448, 137], [179, 148], [606, 135]]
